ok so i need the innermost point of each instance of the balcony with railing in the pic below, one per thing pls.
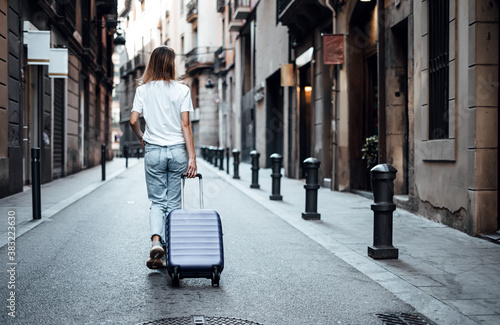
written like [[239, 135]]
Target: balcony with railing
[[200, 57], [129, 67], [242, 9], [140, 61], [221, 4], [192, 11], [123, 71], [301, 16], [235, 25]]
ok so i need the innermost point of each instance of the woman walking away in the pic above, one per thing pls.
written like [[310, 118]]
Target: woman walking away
[[168, 140]]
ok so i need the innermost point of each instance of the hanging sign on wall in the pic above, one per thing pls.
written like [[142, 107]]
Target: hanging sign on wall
[[58, 67], [38, 47], [333, 49]]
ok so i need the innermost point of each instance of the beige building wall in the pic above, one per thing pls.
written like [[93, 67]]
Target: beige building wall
[[201, 33], [483, 64], [268, 61], [236, 109], [456, 178], [399, 94], [340, 127], [208, 42]]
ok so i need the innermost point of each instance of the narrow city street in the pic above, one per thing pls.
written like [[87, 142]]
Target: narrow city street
[[350, 147], [87, 266]]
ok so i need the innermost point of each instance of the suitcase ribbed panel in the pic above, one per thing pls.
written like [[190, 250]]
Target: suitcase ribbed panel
[[194, 242]]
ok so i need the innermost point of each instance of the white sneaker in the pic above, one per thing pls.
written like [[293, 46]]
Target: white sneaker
[[155, 263], [156, 251]]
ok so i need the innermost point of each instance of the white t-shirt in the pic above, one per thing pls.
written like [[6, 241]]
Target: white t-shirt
[[161, 104]]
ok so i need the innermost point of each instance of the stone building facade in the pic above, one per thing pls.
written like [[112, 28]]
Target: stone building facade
[[188, 28], [456, 162], [420, 76], [69, 118]]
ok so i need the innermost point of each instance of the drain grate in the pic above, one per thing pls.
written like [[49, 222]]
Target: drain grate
[[404, 319], [201, 320]]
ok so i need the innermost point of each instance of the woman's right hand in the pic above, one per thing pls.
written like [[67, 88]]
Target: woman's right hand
[[192, 170]]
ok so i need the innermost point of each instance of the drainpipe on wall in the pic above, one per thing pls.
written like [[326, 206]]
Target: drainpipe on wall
[[335, 90]]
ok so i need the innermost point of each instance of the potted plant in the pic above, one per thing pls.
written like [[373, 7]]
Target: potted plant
[[370, 151]]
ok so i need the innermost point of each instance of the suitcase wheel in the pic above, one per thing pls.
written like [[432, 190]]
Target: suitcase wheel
[[175, 277], [215, 277]]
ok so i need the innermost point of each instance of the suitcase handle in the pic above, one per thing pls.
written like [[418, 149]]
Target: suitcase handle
[[183, 183], [197, 175]]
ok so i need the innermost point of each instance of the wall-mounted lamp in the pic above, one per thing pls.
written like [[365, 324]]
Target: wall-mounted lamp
[[111, 25], [209, 84], [119, 41]]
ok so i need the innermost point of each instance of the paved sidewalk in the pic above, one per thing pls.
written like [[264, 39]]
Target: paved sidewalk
[[56, 196], [446, 275]]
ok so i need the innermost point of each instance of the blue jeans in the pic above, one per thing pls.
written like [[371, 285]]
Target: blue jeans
[[164, 167]]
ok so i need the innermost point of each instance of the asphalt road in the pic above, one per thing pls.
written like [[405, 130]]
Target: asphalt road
[[87, 266]]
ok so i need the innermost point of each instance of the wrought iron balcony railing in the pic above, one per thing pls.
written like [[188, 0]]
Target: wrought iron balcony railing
[[241, 3], [221, 4], [140, 61], [192, 11], [199, 57]]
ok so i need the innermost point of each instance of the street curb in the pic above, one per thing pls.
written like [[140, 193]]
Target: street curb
[[423, 303], [26, 226]]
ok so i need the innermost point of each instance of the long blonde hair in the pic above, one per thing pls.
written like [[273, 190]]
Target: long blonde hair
[[161, 66]]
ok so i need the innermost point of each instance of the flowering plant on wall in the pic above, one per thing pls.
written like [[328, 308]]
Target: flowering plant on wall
[[370, 151]]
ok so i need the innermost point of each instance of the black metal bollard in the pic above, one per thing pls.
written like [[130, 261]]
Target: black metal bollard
[[311, 165], [236, 163], [215, 152], [36, 175], [214, 156], [255, 169], [227, 160], [209, 154], [103, 161], [204, 152], [383, 176], [126, 149], [276, 160], [221, 158]]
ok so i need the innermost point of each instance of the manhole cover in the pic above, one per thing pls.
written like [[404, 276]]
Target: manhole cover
[[404, 319], [201, 320]]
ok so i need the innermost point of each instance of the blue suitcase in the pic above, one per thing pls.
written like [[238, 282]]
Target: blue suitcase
[[194, 242]]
